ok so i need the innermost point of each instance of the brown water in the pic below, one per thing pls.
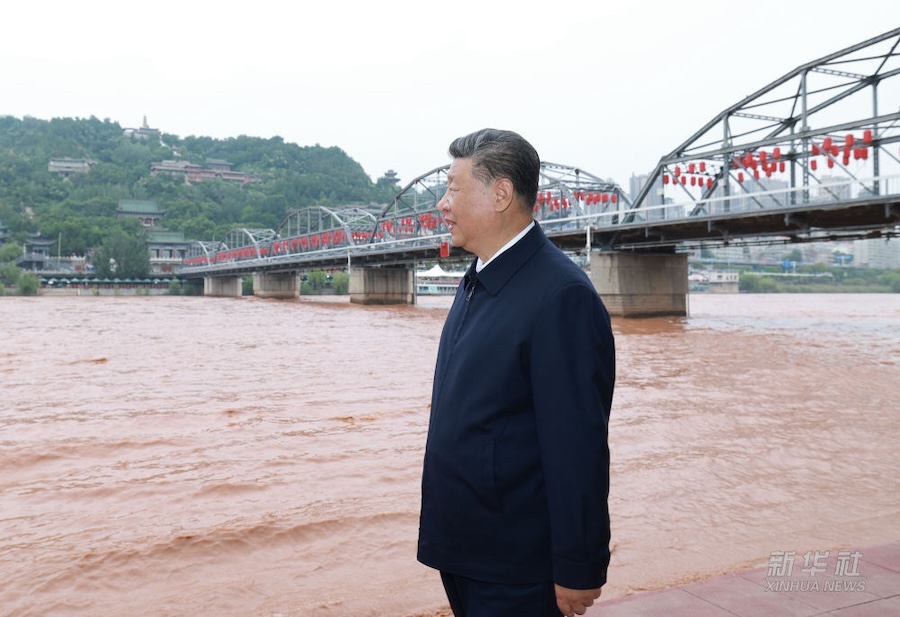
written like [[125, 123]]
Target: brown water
[[188, 456]]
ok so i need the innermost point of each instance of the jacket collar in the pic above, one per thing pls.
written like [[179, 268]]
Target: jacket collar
[[497, 273]]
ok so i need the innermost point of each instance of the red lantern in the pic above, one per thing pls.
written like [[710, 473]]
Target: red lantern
[[781, 166], [740, 176], [813, 164], [677, 171], [867, 136], [827, 143], [848, 140], [691, 168], [702, 167], [709, 183], [777, 153], [815, 150], [665, 178], [614, 198]]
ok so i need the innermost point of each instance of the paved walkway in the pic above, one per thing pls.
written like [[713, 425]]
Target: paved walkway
[[868, 586]]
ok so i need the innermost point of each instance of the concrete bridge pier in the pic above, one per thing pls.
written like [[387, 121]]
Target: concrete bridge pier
[[222, 286], [641, 284], [279, 285], [382, 286]]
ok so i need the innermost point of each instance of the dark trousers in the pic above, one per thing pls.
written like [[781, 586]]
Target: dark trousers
[[471, 598]]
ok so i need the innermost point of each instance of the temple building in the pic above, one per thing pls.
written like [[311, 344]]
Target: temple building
[[214, 169], [147, 211], [167, 248], [66, 167]]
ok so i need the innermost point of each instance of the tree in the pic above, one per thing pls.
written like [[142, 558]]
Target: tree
[[28, 284], [9, 274], [316, 280], [10, 251], [754, 283], [796, 256], [123, 255], [340, 283]]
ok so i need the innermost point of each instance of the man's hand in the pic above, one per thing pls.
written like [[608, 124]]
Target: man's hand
[[575, 601]]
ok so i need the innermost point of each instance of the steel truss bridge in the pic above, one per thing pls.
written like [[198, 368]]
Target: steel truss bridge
[[813, 156]]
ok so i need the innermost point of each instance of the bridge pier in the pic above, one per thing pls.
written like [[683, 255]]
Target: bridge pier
[[279, 285], [382, 286], [222, 286], [641, 284]]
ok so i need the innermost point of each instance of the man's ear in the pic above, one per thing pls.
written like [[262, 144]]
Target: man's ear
[[503, 194]]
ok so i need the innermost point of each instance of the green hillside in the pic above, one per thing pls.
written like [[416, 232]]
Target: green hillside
[[116, 164]]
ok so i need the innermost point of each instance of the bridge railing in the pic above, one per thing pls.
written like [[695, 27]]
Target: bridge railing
[[832, 191]]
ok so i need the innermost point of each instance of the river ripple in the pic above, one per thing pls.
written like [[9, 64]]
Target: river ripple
[[170, 456]]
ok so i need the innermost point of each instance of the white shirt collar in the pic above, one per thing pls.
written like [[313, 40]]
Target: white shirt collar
[[479, 265]]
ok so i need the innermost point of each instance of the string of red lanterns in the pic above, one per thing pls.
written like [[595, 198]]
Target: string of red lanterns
[[561, 203], [764, 162]]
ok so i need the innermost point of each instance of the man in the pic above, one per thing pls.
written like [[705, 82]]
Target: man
[[516, 470]]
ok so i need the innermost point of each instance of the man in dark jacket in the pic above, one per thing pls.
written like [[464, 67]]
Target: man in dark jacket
[[516, 471]]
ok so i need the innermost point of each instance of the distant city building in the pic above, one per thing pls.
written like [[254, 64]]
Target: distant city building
[[66, 167], [215, 169], [147, 211], [636, 185], [877, 253], [724, 281], [831, 188]]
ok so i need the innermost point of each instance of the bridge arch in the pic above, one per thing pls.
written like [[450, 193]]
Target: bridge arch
[[202, 253], [818, 133], [563, 192], [321, 227]]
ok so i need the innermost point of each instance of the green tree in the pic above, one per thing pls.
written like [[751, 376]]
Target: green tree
[[28, 284], [10, 252], [123, 255], [340, 283], [796, 256], [316, 280], [754, 283], [9, 274]]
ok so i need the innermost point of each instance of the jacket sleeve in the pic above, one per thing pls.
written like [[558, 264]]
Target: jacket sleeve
[[573, 372]]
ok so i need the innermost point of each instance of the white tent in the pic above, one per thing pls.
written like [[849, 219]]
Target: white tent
[[437, 272]]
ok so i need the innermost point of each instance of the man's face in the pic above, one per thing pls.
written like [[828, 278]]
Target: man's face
[[467, 207]]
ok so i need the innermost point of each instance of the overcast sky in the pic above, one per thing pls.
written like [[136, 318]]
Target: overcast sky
[[609, 87]]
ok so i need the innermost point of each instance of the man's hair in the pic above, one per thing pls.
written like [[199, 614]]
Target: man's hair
[[500, 154]]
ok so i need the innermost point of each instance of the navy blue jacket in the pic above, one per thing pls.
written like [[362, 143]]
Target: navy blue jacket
[[516, 470]]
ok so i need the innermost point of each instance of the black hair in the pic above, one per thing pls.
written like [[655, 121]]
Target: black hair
[[499, 154]]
